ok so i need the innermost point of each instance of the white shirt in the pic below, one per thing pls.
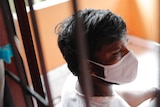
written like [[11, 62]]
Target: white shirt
[[72, 98]]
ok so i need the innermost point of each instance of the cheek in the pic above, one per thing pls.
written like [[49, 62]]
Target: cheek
[[101, 57], [115, 59], [109, 59], [105, 58]]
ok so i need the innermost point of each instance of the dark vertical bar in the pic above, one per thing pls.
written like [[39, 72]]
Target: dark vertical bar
[[158, 12], [40, 53], [17, 68], [29, 47], [8, 100], [81, 44]]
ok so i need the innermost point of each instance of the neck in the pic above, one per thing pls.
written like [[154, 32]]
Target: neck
[[100, 88]]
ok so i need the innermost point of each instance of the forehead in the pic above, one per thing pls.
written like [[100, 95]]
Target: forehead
[[116, 44]]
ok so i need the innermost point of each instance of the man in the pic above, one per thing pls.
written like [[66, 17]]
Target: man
[[109, 60]]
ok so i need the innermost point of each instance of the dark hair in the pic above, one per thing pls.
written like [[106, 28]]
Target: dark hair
[[101, 27]]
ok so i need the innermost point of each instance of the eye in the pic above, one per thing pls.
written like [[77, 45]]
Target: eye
[[117, 52]]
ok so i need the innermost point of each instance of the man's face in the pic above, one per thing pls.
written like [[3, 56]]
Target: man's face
[[108, 55]]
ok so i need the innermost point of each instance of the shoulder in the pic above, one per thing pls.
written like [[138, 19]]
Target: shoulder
[[69, 97], [119, 101], [137, 97], [69, 85]]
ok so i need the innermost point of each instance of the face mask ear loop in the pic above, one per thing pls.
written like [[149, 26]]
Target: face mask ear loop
[[96, 63], [98, 77]]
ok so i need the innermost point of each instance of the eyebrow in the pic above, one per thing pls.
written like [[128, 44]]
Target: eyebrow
[[114, 47]]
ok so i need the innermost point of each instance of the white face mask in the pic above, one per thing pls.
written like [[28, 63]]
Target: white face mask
[[124, 71]]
